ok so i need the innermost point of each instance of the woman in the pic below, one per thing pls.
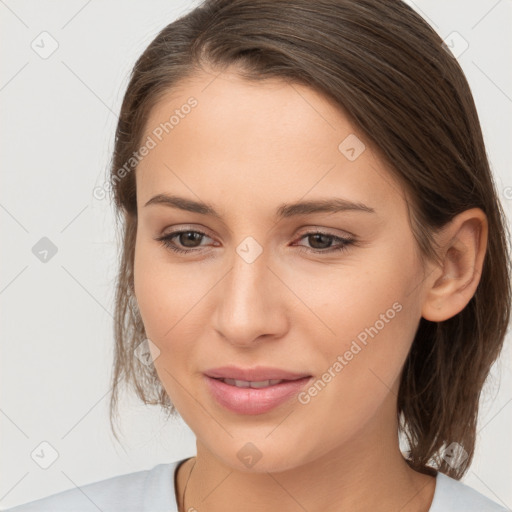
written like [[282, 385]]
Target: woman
[[315, 262]]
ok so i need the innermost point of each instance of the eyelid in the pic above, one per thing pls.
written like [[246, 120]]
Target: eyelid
[[324, 231], [186, 228]]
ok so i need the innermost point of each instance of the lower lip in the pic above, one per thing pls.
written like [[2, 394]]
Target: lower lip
[[252, 400]]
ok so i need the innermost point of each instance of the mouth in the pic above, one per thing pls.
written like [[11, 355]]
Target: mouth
[[251, 397], [258, 374], [254, 384]]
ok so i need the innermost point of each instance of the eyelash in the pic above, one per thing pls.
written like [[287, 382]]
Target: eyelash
[[166, 241]]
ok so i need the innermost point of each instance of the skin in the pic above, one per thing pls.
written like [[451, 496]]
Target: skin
[[247, 148]]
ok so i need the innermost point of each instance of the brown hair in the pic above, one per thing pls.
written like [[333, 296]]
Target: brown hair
[[389, 71]]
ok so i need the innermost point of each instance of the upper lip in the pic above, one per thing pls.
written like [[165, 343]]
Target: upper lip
[[255, 374]]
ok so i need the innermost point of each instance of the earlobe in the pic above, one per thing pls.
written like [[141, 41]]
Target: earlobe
[[463, 244]]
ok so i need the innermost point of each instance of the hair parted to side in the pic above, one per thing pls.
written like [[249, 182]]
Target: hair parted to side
[[387, 68]]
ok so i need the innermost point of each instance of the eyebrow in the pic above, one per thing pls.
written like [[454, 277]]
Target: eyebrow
[[331, 205]]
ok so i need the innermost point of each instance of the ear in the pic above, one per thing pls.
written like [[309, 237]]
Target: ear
[[463, 244]]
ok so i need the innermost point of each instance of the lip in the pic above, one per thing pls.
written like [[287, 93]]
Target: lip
[[255, 374], [251, 401]]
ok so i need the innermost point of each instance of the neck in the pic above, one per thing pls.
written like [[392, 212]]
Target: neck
[[355, 479]]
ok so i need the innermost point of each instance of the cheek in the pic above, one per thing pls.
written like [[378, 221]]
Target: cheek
[[166, 310], [372, 316], [172, 303], [164, 292], [366, 289], [359, 383]]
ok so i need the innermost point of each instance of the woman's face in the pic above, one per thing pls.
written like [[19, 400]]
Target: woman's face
[[256, 287]]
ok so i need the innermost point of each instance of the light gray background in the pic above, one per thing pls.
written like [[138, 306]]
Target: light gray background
[[57, 132]]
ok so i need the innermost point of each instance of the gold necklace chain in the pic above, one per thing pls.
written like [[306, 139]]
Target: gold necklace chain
[[186, 483]]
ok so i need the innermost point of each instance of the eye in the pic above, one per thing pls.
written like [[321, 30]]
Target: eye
[[190, 241], [187, 238], [323, 242]]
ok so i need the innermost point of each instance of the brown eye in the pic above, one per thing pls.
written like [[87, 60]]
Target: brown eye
[[188, 239], [320, 241], [323, 242]]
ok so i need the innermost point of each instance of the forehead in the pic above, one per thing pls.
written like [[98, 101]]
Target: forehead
[[270, 110], [257, 138]]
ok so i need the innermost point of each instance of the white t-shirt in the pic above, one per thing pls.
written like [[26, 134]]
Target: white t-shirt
[[153, 490]]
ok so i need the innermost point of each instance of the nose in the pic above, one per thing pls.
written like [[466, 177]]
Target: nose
[[251, 303]]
